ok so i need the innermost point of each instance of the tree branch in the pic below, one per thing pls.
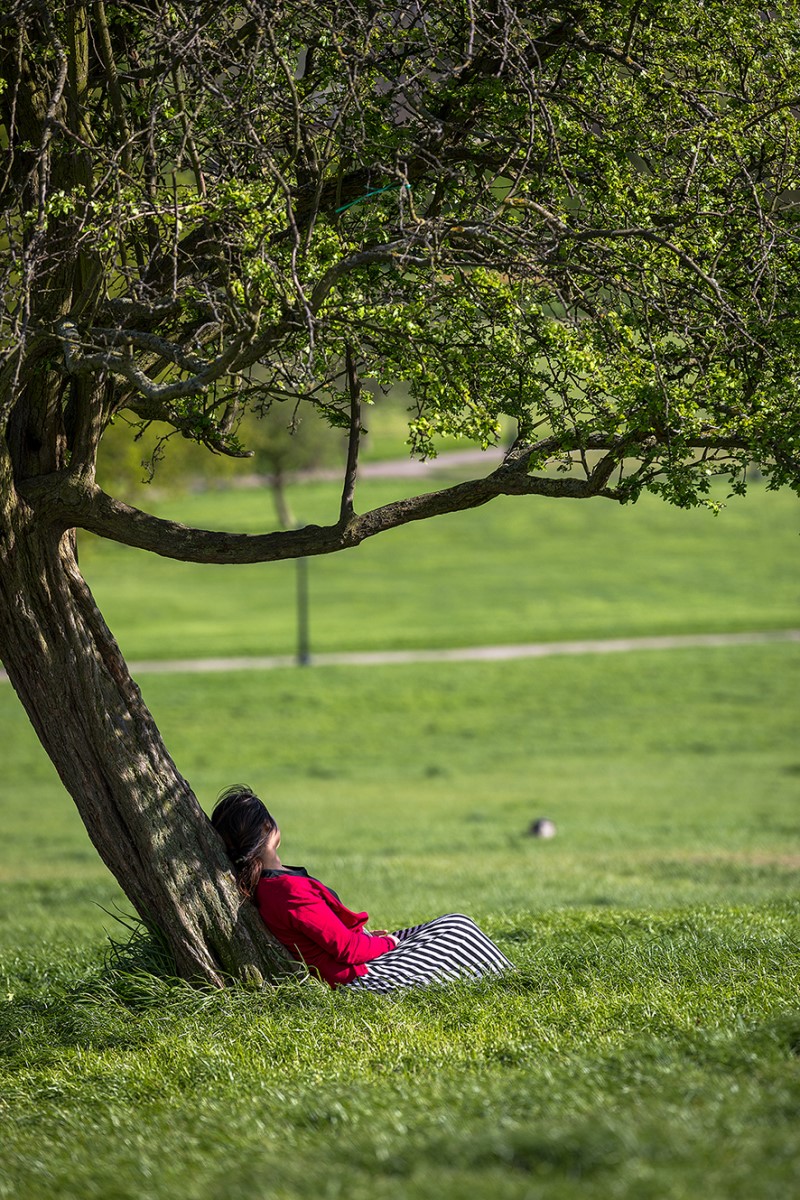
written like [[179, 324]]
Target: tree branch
[[244, 349], [126, 368], [348, 492], [105, 48], [68, 501], [392, 252], [334, 193]]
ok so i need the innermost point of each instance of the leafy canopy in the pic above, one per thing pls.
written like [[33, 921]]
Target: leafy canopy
[[583, 217]]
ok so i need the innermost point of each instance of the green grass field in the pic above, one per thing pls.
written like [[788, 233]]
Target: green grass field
[[517, 570], [648, 1045]]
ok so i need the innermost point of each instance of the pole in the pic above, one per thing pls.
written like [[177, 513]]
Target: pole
[[303, 640]]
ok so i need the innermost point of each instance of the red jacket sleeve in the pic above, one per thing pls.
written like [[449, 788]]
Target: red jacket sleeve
[[313, 917]]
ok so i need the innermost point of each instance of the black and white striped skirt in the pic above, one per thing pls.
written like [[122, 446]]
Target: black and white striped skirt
[[447, 948]]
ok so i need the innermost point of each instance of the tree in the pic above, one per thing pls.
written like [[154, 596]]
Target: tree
[[580, 216], [281, 445]]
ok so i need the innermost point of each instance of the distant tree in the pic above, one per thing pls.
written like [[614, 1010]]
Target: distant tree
[[287, 444], [580, 216], [284, 445]]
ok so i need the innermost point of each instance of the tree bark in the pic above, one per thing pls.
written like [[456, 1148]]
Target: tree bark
[[139, 811]]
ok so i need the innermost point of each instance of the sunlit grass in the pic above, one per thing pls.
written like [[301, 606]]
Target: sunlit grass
[[517, 570], [627, 1055], [648, 1044]]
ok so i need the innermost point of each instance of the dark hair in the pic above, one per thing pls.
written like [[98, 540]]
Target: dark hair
[[243, 822]]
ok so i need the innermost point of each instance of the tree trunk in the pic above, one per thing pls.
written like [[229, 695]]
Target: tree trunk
[[89, 715]]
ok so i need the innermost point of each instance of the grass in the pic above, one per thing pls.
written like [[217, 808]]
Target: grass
[[616, 1064], [648, 1046], [517, 570]]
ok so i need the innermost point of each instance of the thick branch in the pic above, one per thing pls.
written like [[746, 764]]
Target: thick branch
[[70, 502]]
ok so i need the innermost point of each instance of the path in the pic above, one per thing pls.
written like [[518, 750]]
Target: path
[[375, 658], [390, 468]]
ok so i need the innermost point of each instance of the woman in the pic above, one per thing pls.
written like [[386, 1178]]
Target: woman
[[310, 920]]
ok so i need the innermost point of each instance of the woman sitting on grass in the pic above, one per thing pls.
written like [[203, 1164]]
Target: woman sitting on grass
[[312, 923]]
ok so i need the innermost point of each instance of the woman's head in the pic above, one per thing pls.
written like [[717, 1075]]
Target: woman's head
[[243, 823]]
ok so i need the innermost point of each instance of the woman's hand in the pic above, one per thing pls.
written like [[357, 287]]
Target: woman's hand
[[384, 933]]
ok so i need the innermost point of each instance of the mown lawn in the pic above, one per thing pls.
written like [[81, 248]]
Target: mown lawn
[[647, 1046], [517, 570]]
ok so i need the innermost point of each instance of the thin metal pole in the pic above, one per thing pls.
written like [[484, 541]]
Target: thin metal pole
[[303, 638]]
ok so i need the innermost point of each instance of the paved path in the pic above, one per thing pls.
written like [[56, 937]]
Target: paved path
[[374, 658], [390, 468]]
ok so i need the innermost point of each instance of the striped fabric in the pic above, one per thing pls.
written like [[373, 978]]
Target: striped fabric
[[447, 948]]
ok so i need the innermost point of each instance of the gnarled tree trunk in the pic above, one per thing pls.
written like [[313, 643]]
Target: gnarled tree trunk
[[89, 715]]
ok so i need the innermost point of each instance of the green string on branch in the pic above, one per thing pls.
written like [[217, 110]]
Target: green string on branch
[[368, 195]]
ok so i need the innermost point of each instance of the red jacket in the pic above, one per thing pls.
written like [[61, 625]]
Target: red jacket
[[314, 925]]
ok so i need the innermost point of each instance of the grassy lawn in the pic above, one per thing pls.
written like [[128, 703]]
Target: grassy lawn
[[517, 570], [648, 1045]]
